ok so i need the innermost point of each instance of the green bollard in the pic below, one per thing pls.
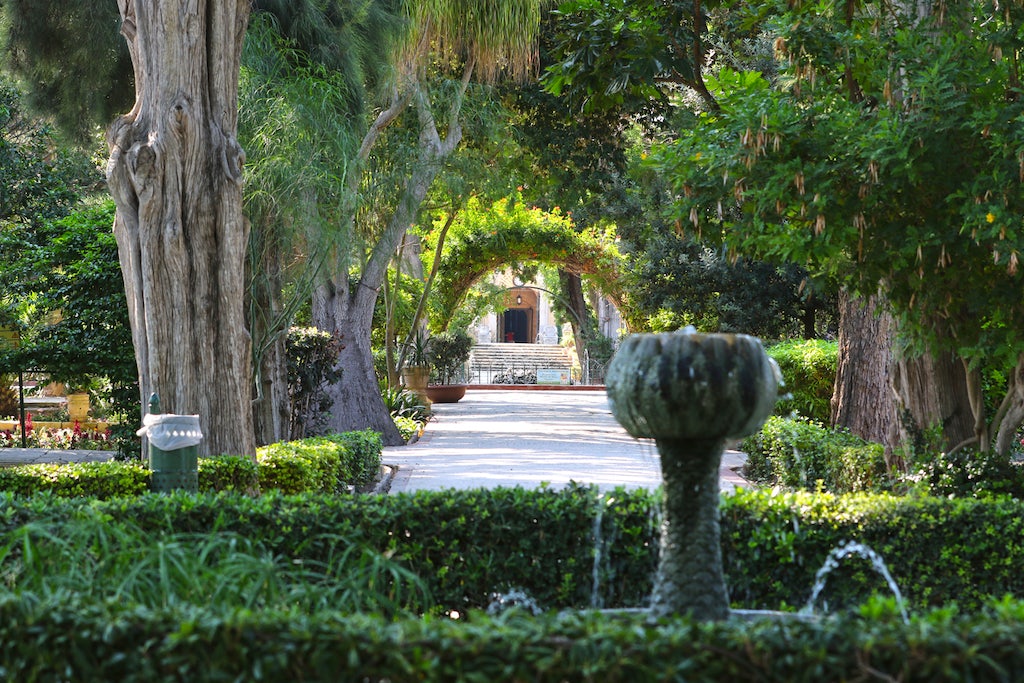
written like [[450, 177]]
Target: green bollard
[[174, 469]]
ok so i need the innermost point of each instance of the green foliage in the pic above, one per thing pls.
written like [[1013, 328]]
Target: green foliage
[[74, 57], [48, 640], [69, 281], [312, 356], [407, 426], [939, 551], [100, 480], [885, 155], [360, 455], [296, 466], [613, 54], [968, 473], [95, 560], [484, 238], [809, 372], [327, 464], [799, 453], [466, 545], [229, 473], [401, 402], [447, 355]]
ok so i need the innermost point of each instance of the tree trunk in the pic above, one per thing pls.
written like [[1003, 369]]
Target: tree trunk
[[863, 399], [884, 397], [572, 288], [1010, 415], [175, 172], [932, 393], [357, 399], [271, 405], [347, 308]]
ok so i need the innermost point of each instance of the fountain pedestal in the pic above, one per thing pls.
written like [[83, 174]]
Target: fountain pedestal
[[691, 392]]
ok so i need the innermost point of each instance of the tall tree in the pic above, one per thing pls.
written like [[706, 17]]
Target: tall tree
[[890, 160], [483, 40], [175, 173]]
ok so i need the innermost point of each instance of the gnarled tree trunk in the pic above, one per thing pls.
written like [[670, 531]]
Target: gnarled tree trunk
[[357, 399], [863, 399], [882, 396], [175, 172]]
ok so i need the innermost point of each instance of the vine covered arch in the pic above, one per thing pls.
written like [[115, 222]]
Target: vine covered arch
[[508, 232]]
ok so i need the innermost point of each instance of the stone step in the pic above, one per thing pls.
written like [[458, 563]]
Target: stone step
[[539, 355]]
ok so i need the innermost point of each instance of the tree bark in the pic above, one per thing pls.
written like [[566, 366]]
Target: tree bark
[[357, 399], [883, 396], [572, 288], [932, 393], [271, 405], [346, 306], [863, 399], [175, 172]]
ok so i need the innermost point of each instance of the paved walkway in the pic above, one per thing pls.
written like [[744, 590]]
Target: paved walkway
[[530, 438]]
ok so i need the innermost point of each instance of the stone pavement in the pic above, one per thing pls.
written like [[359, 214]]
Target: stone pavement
[[530, 438], [32, 456]]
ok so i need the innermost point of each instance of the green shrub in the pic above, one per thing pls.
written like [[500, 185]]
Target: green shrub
[[229, 473], [49, 640], [312, 355], [325, 464], [968, 473], [360, 455], [94, 479], [305, 465], [578, 548], [798, 453], [809, 370]]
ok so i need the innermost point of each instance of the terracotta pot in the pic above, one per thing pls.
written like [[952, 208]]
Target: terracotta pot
[[446, 393], [78, 407], [415, 378]]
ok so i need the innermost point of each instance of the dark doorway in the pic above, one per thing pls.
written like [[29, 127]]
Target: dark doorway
[[517, 326]]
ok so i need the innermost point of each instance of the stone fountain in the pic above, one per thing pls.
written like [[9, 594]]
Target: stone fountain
[[691, 393]]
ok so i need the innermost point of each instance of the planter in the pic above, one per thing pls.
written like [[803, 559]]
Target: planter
[[415, 378], [446, 393], [78, 407]]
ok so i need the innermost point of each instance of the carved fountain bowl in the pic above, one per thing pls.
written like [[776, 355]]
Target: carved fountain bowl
[[686, 386]]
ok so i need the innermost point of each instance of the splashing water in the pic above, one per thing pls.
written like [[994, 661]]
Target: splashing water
[[836, 556], [595, 589], [515, 598]]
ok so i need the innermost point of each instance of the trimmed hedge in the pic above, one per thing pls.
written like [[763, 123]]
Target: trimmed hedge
[[94, 479], [47, 641], [800, 454], [809, 370], [468, 545], [328, 464]]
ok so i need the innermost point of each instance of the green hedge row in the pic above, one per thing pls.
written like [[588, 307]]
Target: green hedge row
[[800, 453], [328, 464], [809, 371], [578, 548], [47, 641]]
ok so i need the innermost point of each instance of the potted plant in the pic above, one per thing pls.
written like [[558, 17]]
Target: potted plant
[[416, 373], [448, 353]]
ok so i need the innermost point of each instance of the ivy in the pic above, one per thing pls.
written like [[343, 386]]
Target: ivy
[[485, 238]]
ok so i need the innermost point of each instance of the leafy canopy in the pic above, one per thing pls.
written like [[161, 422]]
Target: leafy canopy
[[891, 156]]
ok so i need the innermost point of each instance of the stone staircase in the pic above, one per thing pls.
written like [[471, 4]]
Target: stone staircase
[[488, 362]]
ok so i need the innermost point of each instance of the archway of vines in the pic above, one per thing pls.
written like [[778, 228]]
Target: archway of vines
[[485, 238]]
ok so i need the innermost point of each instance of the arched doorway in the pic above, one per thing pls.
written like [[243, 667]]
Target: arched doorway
[[518, 323], [515, 324]]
